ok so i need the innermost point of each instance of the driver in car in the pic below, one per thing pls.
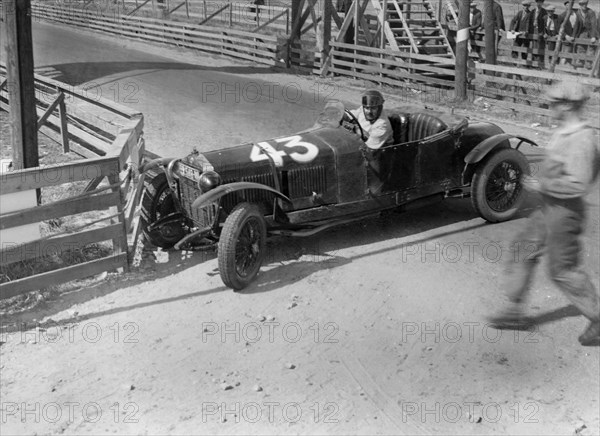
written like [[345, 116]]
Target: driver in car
[[374, 122]]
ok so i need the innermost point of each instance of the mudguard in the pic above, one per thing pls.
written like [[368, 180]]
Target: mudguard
[[484, 147], [220, 191], [155, 163]]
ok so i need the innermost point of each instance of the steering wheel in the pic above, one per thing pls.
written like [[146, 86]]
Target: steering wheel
[[353, 122]]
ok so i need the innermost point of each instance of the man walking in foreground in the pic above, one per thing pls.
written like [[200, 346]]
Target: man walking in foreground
[[566, 176]]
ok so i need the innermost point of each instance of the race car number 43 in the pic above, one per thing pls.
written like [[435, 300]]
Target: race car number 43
[[306, 153]]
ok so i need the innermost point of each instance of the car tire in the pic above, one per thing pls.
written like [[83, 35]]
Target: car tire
[[242, 246], [496, 189], [157, 203]]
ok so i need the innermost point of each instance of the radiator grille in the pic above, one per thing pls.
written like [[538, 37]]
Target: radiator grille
[[303, 182], [189, 191]]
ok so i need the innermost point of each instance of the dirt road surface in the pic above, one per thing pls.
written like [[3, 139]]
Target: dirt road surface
[[376, 327]]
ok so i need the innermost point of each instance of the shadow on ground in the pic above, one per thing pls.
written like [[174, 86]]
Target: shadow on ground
[[81, 72]]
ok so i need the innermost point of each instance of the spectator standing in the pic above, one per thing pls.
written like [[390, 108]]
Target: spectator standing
[[551, 29], [539, 30], [498, 17], [475, 25], [585, 28], [450, 25], [571, 25], [522, 23], [498, 20], [552, 25]]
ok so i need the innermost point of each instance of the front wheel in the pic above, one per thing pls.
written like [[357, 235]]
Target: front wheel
[[497, 192], [157, 203], [242, 246]]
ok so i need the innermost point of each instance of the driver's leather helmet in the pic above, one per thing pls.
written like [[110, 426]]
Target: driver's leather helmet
[[372, 103]]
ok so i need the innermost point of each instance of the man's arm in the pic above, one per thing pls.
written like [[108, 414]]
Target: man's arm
[[380, 134], [571, 176], [514, 21]]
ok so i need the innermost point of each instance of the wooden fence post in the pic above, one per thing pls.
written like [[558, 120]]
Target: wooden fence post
[[490, 32], [64, 131], [462, 40], [561, 36], [21, 87]]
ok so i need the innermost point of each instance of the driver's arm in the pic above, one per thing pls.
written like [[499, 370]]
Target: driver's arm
[[380, 134]]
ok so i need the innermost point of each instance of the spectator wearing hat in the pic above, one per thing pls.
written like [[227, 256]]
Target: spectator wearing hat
[[475, 25], [552, 25], [539, 30], [449, 24], [585, 28], [566, 176], [522, 23], [498, 20], [571, 24], [551, 29]]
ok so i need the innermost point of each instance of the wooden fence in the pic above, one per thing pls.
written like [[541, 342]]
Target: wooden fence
[[263, 49], [246, 16], [518, 89], [523, 90], [110, 136], [389, 67], [575, 57]]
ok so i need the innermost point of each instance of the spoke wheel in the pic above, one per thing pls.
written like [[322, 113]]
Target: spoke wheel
[[157, 203], [497, 192], [242, 246]]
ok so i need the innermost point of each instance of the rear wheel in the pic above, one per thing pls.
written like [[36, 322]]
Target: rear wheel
[[158, 203], [497, 192], [242, 246]]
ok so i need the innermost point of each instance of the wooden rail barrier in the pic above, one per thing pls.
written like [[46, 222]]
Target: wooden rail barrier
[[110, 135], [231, 42], [390, 67], [246, 16], [524, 89], [538, 53]]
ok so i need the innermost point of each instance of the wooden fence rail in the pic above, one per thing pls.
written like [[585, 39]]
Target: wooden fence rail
[[387, 66], [247, 45], [107, 133], [270, 19], [575, 57]]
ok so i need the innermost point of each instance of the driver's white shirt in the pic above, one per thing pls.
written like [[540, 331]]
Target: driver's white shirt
[[380, 132]]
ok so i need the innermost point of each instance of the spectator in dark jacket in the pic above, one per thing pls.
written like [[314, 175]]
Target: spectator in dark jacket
[[539, 31], [571, 25], [475, 25], [552, 25], [551, 28], [585, 28], [449, 24], [522, 23], [498, 20]]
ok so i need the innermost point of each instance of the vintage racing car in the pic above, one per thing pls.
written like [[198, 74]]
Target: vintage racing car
[[300, 184]]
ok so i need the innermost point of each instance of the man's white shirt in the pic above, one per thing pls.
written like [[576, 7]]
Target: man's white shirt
[[380, 132]]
